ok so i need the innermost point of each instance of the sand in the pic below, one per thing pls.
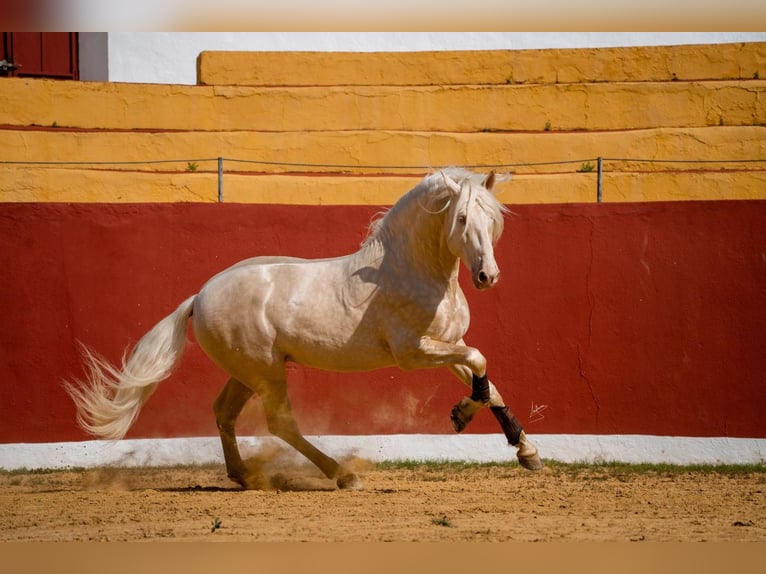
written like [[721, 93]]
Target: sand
[[448, 502]]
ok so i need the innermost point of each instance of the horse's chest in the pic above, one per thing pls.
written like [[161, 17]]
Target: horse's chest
[[451, 320], [441, 314]]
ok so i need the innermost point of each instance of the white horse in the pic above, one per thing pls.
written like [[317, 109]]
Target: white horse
[[396, 301]]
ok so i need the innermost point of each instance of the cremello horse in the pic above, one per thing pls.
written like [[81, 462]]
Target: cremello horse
[[396, 301]]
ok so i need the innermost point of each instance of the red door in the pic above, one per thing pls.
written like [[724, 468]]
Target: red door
[[40, 55]]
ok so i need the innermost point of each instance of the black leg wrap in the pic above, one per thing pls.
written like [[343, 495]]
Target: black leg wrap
[[480, 389], [509, 423]]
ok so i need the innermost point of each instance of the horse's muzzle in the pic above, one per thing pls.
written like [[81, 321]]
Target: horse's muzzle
[[483, 279]]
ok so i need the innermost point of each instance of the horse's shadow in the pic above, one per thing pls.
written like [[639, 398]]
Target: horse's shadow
[[277, 482], [198, 488], [268, 472]]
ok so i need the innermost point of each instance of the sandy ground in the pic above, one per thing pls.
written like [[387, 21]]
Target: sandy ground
[[418, 503]]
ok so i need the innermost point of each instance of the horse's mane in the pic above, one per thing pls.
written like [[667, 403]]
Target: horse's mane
[[433, 196]]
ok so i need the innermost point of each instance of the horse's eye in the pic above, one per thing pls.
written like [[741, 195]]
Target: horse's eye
[[462, 219]]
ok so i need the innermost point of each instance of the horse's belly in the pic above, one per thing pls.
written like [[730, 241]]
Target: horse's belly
[[336, 342], [342, 360]]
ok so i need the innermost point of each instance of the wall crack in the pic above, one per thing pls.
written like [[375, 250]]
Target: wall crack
[[591, 305]]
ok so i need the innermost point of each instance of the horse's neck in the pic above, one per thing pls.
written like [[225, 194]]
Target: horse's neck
[[413, 244]]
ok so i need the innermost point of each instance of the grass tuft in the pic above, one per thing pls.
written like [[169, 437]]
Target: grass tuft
[[443, 521]]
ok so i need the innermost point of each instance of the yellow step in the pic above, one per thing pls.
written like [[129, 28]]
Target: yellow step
[[634, 64], [684, 186], [561, 107], [380, 151], [32, 184]]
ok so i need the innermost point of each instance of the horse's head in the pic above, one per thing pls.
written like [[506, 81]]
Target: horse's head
[[473, 224]]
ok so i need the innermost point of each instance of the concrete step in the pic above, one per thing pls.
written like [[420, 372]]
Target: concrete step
[[384, 151], [636, 64], [34, 184], [476, 108]]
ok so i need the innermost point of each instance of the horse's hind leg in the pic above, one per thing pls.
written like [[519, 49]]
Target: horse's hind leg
[[281, 423], [227, 407], [484, 393]]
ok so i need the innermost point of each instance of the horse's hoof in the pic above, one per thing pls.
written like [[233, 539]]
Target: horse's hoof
[[531, 461], [349, 481], [248, 481], [236, 478], [463, 412], [458, 423]]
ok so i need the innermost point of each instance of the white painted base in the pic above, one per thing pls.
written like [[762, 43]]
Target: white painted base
[[464, 447]]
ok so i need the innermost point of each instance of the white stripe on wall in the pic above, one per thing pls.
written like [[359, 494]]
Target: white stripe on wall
[[465, 447]]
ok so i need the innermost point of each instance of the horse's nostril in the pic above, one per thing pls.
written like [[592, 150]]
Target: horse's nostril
[[483, 277]]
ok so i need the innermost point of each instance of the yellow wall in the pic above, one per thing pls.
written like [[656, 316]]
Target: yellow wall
[[113, 186], [380, 147], [458, 108], [638, 64], [403, 114]]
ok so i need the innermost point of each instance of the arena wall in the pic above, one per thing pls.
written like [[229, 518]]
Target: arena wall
[[609, 319], [627, 329]]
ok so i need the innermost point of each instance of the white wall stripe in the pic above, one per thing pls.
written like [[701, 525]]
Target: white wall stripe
[[465, 447]]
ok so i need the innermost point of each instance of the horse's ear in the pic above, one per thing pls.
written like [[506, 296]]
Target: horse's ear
[[450, 183], [489, 182]]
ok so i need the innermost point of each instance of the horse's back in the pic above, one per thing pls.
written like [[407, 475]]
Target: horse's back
[[242, 292], [272, 309]]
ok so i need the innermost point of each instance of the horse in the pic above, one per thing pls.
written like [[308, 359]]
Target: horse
[[396, 301]]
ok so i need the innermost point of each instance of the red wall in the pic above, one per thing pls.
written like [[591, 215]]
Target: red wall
[[617, 318]]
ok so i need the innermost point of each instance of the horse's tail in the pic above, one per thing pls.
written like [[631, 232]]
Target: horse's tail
[[109, 401]]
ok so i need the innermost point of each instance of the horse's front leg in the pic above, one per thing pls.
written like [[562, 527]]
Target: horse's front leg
[[426, 352], [467, 363], [481, 396], [470, 366], [485, 393]]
